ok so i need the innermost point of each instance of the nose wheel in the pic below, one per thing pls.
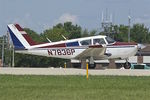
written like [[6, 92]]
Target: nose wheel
[[127, 65]]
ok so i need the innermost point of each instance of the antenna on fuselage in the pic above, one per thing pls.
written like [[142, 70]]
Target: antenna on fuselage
[[64, 37], [48, 40]]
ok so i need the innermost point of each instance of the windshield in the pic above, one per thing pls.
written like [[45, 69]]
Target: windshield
[[110, 40]]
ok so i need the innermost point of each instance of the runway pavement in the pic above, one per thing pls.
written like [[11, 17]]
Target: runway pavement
[[73, 71]]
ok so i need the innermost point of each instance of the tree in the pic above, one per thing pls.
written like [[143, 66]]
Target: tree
[[67, 29], [53, 34], [139, 33], [121, 33], [85, 33], [74, 31], [93, 32], [36, 37]]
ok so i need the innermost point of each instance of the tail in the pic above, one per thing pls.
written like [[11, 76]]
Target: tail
[[20, 38]]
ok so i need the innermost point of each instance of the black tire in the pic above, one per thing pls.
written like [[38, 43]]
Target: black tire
[[127, 65], [92, 66]]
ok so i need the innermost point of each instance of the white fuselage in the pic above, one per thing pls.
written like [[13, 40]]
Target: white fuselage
[[116, 50]]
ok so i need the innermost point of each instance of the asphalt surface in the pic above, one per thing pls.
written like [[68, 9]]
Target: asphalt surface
[[72, 71]]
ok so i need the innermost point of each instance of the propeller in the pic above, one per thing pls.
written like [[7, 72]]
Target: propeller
[[140, 47]]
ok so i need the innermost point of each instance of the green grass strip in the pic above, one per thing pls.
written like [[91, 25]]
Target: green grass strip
[[28, 87]]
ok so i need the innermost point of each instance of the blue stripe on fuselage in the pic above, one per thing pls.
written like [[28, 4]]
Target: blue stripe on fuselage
[[70, 44], [16, 42]]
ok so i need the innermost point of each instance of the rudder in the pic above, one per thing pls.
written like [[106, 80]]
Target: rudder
[[20, 38]]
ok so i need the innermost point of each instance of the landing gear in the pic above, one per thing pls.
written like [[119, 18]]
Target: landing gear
[[92, 63], [92, 66], [127, 65]]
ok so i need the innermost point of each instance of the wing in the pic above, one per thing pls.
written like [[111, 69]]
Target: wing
[[95, 51]]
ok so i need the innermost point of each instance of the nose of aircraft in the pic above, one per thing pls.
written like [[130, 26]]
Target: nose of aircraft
[[141, 46]]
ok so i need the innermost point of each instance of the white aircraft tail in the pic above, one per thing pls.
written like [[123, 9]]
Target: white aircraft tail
[[20, 38]]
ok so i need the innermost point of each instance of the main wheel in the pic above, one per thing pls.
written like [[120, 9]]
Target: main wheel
[[127, 65], [92, 66]]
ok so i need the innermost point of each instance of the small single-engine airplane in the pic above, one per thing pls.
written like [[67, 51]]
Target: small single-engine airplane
[[92, 48]]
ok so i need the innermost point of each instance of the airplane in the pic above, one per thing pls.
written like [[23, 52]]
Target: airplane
[[98, 47]]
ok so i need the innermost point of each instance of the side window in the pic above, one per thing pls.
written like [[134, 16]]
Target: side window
[[86, 42], [98, 41]]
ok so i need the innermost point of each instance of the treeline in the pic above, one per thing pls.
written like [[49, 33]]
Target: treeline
[[139, 34]]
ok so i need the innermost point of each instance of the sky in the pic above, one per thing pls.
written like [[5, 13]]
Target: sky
[[39, 15]]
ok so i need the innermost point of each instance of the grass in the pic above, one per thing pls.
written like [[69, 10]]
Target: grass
[[74, 88]]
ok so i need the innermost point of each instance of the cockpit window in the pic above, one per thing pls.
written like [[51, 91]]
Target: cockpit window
[[110, 40], [98, 41], [86, 42]]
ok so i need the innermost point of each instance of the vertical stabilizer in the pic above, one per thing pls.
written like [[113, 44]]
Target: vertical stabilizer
[[20, 38]]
